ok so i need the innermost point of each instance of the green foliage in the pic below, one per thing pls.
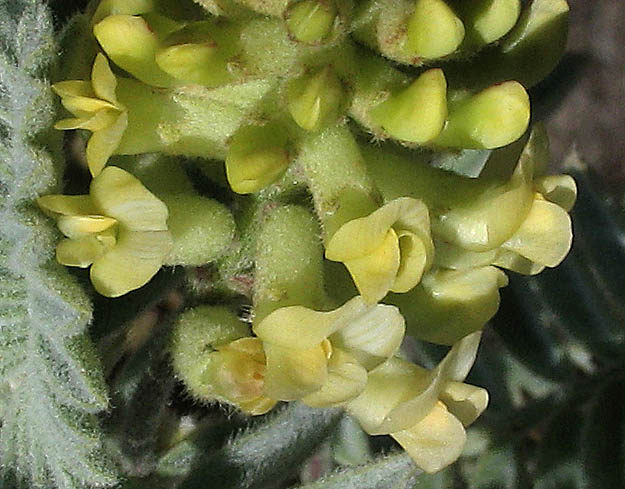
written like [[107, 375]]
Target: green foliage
[[51, 383], [266, 453], [395, 471]]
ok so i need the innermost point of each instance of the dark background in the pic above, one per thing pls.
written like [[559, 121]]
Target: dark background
[[592, 113]]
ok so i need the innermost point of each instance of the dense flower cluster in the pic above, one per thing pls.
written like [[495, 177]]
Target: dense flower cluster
[[284, 94]]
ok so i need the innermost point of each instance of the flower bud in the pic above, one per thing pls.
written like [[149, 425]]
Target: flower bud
[[433, 30], [417, 113], [314, 101], [311, 21], [200, 53], [202, 229], [257, 157], [487, 20], [490, 119]]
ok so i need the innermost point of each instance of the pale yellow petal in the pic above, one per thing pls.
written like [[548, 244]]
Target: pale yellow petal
[[466, 402], [454, 367], [374, 274], [449, 304], [346, 380], [116, 7], [485, 218], [415, 258], [74, 88], [85, 107], [435, 442], [392, 384], [238, 377], [360, 237], [399, 394], [71, 123], [372, 336], [559, 189], [131, 263], [131, 43], [100, 120], [103, 80], [513, 261], [457, 258], [300, 327], [80, 226], [79, 252], [116, 193], [258, 406], [297, 327], [459, 360], [545, 236], [103, 143], [294, 373], [66, 205]]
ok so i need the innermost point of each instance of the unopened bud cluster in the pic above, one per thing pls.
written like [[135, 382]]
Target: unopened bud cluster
[[338, 229]]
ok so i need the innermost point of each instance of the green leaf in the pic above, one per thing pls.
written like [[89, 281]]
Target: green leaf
[[395, 471], [268, 452], [51, 382]]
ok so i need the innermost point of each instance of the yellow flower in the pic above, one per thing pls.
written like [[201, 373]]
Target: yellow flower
[[425, 411], [119, 229], [237, 374], [213, 354], [323, 358], [95, 107], [389, 249]]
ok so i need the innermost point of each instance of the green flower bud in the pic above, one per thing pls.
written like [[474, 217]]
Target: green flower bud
[[490, 119], [289, 268], [201, 53], [311, 21], [315, 101], [417, 113], [528, 53], [202, 229], [534, 46], [343, 190], [487, 20], [257, 157], [433, 30]]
